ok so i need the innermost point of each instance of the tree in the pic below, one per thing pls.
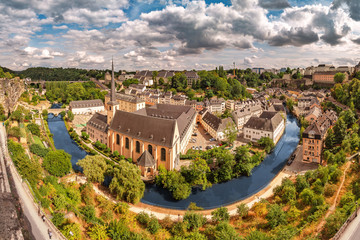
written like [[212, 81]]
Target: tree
[[242, 210], [88, 212], [57, 163], [196, 173], [126, 182], [224, 231], [84, 135], [34, 129], [339, 77], [333, 224], [70, 116], [72, 231], [276, 216], [45, 114], [194, 220], [290, 104], [58, 219], [230, 132], [330, 139], [307, 196], [267, 143], [221, 214], [153, 225], [98, 232], [339, 131], [94, 168]]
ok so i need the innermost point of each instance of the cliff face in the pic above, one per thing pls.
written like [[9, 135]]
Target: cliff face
[[10, 92]]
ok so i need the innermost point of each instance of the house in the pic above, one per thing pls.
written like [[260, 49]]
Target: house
[[313, 114], [216, 105], [145, 77], [268, 124], [97, 128], [215, 126], [241, 116], [192, 77], [86, 106]]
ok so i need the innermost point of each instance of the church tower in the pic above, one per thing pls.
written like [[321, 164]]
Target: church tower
[[112, 106]]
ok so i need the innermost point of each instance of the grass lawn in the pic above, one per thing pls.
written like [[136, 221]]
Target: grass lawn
[[37, 140]]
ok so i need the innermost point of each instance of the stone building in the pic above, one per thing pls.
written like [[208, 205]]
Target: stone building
[[86, 106]]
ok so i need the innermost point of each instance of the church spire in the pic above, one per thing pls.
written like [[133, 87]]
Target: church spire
[[112, 95]]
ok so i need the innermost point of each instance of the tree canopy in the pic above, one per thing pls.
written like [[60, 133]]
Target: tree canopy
[[57, 163]]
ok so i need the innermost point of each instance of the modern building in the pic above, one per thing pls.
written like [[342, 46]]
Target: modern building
[[327, 77], [86, 106], [268, 124]]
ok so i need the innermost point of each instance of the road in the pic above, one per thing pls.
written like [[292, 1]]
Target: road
[[39, 228]]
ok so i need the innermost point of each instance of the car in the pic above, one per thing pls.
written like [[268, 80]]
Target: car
[[200, 147], [206, 133], [208, 147], [197, 148], [194, 134], [193, 148], [289, 162], [212, 139]]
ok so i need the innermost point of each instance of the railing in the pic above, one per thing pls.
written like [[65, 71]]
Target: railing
[[344, 226], [27, 188]]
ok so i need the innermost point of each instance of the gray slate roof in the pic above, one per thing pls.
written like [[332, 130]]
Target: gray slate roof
[[146, 160], [267, 121], [86, 103], [99, 122]]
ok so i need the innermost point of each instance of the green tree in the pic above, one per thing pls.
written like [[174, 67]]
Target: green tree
[[70, 116], [58, 219], [224, 231], [34, 129], [339, 77], [98, 232], [230, 132], [333, 224], [72, 228], [194, 220], [221, 214], [126, 182], [307, 196], [88, 212], [276, 216], [339, 131], [330, 139], [242, 210], [196, 173], [94, 168], [267, 143], [57, 163]]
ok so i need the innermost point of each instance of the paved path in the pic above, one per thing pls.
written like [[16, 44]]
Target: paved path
[[352, 232], [39, 228]]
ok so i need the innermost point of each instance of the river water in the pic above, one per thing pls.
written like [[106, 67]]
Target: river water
[[219, 194]]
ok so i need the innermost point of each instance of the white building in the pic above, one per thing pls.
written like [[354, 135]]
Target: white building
[[268, 124], [86, 106], [241, 116], [215, 126]]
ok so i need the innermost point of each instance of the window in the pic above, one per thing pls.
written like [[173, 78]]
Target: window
[[150, 149], [163, 154], [117, 139], [127, 143], [137, 146]]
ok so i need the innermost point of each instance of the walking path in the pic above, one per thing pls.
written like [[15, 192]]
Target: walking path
[[39, 228]]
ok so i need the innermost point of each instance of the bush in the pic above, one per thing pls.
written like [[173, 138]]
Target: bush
[[38, 150], [276, 216], [194, 220], [329, 190], [58, 219], [143, 218], [242, 210], [57, 163], [153, 225], [89, 213], [15, 132], [221, 214], [34, 129]]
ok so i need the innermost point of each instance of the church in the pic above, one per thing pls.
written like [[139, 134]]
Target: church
[[150, 136]]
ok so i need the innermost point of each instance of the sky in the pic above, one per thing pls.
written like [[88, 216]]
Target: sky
[[178, 34]]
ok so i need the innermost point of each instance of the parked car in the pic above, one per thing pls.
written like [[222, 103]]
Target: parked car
[[208, 147], [206, 133], [193, 148], [194, 134], [212, 139], [200, 147], [197, 148]]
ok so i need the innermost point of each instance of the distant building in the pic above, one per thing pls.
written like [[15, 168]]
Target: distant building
[[268, 124], [97, 128], [327, 77], [86, 106], [127, 103], [191, 77]]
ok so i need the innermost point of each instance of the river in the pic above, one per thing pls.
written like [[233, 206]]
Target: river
[[219, 194]]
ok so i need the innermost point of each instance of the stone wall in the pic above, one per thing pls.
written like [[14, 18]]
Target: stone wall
[[10, 92]]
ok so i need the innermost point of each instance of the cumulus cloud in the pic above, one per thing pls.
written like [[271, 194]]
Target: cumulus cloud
[[353, 6], [294, 36], [274, 4], [41, 53], [60, 27]]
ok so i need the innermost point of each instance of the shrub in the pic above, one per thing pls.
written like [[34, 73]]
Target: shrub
[[329, 190], [242, 210], [143, 218], [221, 214], [38, 150], [89, 213], [34, 129], [57, 163], [58, 219], [194, 220], [153, 225]]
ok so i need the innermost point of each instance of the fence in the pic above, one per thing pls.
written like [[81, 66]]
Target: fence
[[344, 226]]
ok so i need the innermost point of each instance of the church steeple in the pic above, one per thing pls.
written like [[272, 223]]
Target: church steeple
[[112, 96], [112, 104]]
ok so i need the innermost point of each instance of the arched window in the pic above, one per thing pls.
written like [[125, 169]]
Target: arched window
[[137, 146], [150, 149], [163, 154], [117, 139], [127, 143]]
